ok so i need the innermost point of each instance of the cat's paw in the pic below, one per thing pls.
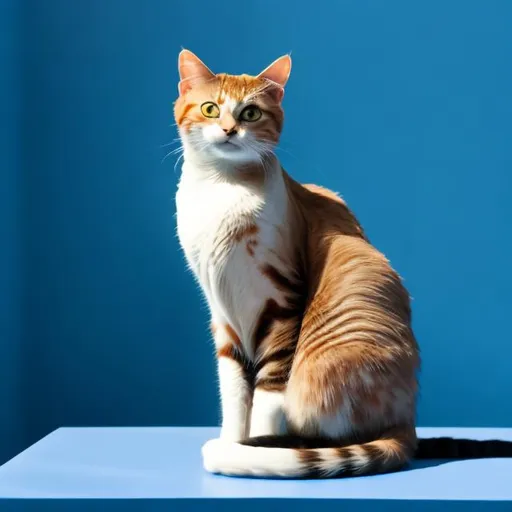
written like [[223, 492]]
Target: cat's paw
[[213, 452], [233, 434]]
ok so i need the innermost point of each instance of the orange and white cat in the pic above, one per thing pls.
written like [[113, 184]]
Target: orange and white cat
[[317, 360]]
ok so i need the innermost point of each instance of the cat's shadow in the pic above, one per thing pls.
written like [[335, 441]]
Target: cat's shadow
[[429, 463]]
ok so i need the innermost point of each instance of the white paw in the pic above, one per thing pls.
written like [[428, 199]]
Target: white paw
[[214, 451], [233, 433]]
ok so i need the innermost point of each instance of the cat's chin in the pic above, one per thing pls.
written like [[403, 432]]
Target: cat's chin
[[233, 153]]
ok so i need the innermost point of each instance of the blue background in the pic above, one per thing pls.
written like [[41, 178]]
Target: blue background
[[403, 107], [12, 419]]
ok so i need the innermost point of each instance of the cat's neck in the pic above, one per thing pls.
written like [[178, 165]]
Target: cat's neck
[[253, 174]]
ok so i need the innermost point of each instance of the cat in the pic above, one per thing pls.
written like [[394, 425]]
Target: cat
[[317, 359]]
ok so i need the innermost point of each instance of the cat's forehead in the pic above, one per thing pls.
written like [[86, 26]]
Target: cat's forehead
[[239, 87], [232, 88]]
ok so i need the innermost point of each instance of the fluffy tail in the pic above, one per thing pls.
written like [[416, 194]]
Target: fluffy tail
[[293, 457]]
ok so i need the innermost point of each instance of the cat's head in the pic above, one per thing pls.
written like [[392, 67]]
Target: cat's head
[[229, 118]]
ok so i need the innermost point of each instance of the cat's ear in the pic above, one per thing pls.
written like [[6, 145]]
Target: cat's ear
[[192, 71], [278, 72]]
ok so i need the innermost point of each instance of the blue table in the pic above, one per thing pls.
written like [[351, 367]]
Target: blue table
[[155, 469]]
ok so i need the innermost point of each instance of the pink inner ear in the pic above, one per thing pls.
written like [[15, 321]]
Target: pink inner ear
[[184, 86], [192, 71], [278, 71]]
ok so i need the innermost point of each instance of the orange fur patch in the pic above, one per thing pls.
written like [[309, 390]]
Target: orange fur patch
[[250, 246], [233, 349], [245, 232], [233, 335]]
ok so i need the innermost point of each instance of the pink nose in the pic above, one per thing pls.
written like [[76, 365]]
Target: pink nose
[[228, 123]]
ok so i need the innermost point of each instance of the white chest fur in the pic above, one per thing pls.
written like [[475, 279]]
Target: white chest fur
[[211, 214]]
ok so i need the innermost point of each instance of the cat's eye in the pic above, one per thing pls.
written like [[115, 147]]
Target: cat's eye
[[251, 113], [210, 109]]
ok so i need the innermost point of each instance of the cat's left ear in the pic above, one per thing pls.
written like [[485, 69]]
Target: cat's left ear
[[278, 72], [192, 70]]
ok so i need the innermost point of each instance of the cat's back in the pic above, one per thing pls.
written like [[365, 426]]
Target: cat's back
[[337, 246], [323, 210]]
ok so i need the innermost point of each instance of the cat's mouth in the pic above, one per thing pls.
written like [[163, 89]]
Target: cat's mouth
[[228, 145], [232, 150]]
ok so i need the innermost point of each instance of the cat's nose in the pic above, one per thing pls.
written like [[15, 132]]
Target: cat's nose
[[228, 124]]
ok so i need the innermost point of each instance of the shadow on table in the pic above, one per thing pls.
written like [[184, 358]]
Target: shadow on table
[[428, 463]]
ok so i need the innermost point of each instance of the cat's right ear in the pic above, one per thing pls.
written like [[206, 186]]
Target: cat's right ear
[[277, 74], [192, 70]]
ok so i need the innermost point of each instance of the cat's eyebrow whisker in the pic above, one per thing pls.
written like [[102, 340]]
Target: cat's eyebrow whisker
[[199, 78], [261, 89]]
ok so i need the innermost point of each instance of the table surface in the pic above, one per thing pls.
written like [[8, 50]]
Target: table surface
[[154, 462]]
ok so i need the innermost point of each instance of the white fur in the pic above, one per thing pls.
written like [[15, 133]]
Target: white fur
[[267, 413], [236, 459], [211, 205], [235, 400], [209, 208]]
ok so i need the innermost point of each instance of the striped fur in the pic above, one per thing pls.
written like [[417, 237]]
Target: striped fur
[[317, 359], [298, 457], [286, 457]]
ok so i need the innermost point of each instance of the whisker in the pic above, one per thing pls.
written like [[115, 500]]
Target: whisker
[[177, 161], [279, 148], [174, 151], [175, 141]]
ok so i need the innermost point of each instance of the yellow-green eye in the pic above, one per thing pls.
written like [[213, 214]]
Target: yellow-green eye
[[210, 109], [250, 114]]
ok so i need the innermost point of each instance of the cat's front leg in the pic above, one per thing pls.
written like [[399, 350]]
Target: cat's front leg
[[234, 382], [273, 362]]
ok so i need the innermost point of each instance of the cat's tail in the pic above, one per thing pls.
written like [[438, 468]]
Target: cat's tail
[[293, 457]]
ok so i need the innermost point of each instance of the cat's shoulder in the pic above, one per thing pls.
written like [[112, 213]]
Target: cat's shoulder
[[324, 192], [327, 207]]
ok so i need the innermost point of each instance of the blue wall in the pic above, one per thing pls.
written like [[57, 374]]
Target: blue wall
[[404, 107], [11, 414]]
